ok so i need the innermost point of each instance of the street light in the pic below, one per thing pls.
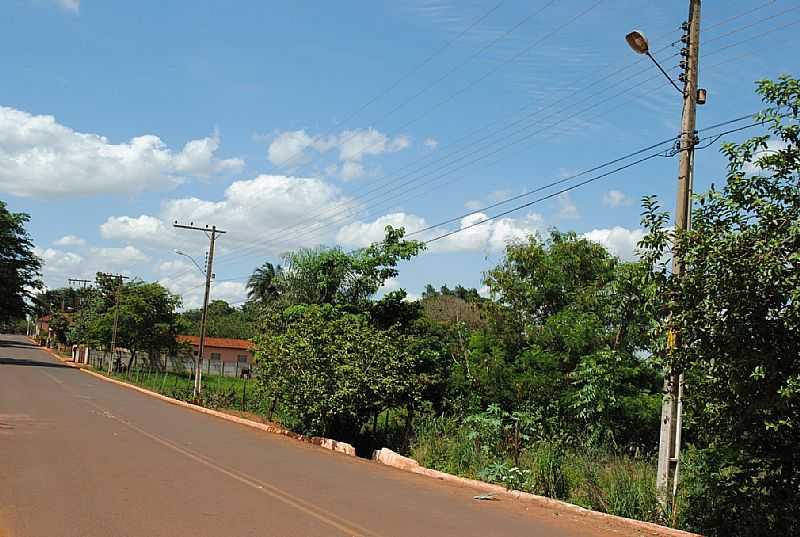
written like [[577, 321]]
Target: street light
[[638, 42], [196, 264]]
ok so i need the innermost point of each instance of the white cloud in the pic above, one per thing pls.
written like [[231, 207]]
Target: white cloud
[[120, 257], [567, 209], [361, 234], [773, 146], [485, 291], [492, 235], [473, 205], [254, 210], [620, 241], [616, 198], [183, 278], [144, 229], [288, 149], [431, 143], [70, 240], [70, 5], [41, 158], [58, 262]]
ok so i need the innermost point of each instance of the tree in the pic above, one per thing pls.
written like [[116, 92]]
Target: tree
[[736, 309], [263, 283], [223, 320], [19, 266], [147, 320], [333, 276], [567, 337]]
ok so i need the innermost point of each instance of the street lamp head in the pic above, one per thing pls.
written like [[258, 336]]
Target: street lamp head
[[638, 42]]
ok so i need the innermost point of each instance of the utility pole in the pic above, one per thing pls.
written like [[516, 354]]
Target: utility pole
[[672, 406], [211, 233], [118, 278], [79, 305]]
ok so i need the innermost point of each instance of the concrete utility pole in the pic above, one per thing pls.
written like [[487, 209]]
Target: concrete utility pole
[[211, 233], [119, 278], [672, 407]]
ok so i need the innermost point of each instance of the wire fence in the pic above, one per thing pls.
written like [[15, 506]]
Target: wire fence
[[99, 359]]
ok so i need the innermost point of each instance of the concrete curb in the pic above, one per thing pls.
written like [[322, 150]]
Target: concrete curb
[[390, 458], [325, 443]]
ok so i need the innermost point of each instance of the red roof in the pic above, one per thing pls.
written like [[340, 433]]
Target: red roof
[[220, 342]]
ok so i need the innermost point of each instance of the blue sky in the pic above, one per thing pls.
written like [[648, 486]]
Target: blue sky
[[294, 124]]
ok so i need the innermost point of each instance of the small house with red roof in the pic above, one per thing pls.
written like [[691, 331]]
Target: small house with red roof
[[227, 353]]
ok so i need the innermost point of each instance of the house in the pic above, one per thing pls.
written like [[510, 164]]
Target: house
[[225, 354]]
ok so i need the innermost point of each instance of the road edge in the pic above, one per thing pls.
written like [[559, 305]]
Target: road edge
[[387, 457], [325, 443]]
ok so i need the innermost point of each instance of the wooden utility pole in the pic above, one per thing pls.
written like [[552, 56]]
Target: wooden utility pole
[[118, 278], [671, 410], [211, 233]]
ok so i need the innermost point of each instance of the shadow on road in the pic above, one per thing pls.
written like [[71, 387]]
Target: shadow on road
[[6, 341], [29, 363]]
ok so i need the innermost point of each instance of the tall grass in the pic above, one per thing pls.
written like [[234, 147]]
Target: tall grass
[[592, 477]]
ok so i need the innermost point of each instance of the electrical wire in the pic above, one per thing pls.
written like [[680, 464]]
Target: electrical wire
[[750, 38], [713, 139]]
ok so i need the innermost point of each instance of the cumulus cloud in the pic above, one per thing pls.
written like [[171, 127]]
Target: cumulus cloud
[[620, 241], [41, 158], [120, 257], [58, 262], [70, 240], [289, 149], [183, 278], [616, 198], [489, 236], [58, 265], [361, 234], [253, 210]]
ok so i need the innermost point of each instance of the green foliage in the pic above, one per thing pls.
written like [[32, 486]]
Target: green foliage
[[19, 266], [566, 342], [223, 320], [334, 370], [147, 318], [736, 308], [331, 275]]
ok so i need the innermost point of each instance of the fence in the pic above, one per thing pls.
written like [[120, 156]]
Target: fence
[[173, 364]]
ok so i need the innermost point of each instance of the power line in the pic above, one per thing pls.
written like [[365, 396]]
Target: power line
[[714, 138], [317, 225]]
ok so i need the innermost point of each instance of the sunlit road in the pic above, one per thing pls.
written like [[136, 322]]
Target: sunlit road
[[83, 457]]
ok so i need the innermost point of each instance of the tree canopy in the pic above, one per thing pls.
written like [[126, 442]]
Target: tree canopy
[[736, 309], [19, 266]]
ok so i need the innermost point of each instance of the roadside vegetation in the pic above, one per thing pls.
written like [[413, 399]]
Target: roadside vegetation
[[551, 381]]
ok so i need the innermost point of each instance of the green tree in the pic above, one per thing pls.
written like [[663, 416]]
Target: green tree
[[333, 276], [148, 321], [263, 284], [223, 320], [19, 266], [736, 309], [568, 337], [334, 370]]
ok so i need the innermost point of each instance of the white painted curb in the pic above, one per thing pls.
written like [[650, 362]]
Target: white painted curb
[[390, 458]]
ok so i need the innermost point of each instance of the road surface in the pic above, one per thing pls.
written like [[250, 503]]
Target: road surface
[[83, 457]]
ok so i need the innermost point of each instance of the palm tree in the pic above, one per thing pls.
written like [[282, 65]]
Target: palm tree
[[263, 283]]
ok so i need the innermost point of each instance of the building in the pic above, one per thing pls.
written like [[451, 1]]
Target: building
[[227, 355]]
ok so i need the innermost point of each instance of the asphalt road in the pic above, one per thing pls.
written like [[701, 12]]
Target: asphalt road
[[83, 457]]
